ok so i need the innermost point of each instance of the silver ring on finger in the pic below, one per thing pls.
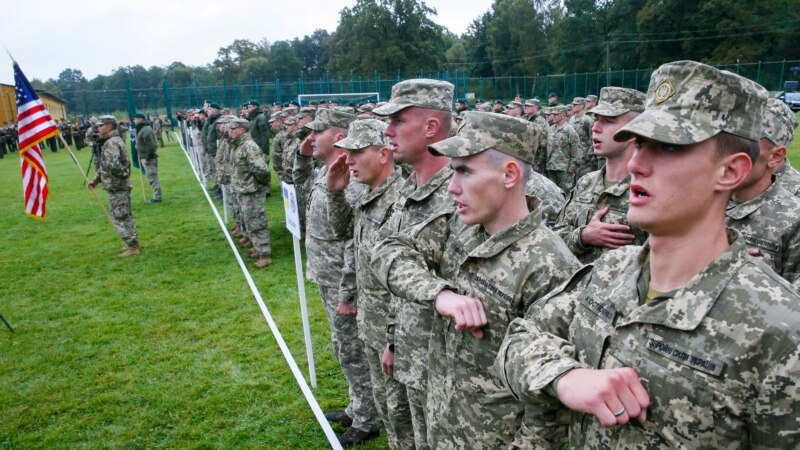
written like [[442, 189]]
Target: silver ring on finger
[[620, 412]]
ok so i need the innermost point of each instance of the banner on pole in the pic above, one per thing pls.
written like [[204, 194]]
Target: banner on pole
[[291, 210]]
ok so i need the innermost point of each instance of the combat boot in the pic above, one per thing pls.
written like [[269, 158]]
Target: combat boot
[[262, 262], [132, 250], [354, 436], [253, 254], [236, 233]]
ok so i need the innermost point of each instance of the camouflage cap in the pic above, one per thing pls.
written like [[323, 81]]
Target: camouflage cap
[[306, 112], [238, 122], [366, 107], [779, 123], [560, 109], [363, 133], [419, 92], [591, 98], [225, 119], [481, 131], [327, 118], [273, 117], [532, 102], [107, 119], [689, 102], [578, 101], [291, 120], [485, 107], [550, 110], [616, 101], [514, 105]]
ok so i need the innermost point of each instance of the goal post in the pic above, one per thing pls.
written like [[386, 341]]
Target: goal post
[[341, 98]]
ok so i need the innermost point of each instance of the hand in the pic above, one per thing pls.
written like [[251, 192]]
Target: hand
[[91, 185], [305, 147], [346, 309], [755, 252], [387, 361], [467, 312], [600, 234], [603, 393], [338, 175]]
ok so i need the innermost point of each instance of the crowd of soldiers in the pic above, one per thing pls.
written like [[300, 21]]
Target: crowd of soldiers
[[619, 272]]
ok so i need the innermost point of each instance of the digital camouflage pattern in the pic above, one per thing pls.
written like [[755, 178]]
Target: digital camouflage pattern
[[719, 357], [779, 123], [563, 155], [544, 194], [588, 197], [249, 179], [771, 223], [583, 126], [616, 101], [788, 177], [481, 131], [363, 133], [284, 173], [121, 217], [113, 170], [419, 92], [689, 102], [468, 406], [327, 118]]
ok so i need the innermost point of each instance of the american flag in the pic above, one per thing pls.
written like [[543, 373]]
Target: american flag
[[35, 125]]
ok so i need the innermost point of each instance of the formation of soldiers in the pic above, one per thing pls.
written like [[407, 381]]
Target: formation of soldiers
[[620, 272]]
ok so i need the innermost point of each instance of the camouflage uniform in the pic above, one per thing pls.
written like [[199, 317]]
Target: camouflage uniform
[[224, 162], [714, 381], [563, 156], [771, 223], [113, 170], [588, 197], [540, 160], [778, 127], [788, 177], [157, 130], [583, 126], [209, 135], [330, 265], [543, 193], [249, 180], [146, 148], [284, 172]]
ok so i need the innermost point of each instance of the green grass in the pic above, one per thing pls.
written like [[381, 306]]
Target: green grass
[[164, 350]]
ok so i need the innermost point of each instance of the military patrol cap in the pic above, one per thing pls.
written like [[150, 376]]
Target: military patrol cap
[[616, 101], [363, 133], [481, 131], [238, 122], [779, 123], [273, 117], [689, 102], [366, 107], [107, 119], [139, 116], [578, 101], [560, 109], [225, 119], [514, 105], [306, 112], [532, 102], [419, 92], [327, 118], [291, 120], [591, 98], [214, 105], [485, 107]]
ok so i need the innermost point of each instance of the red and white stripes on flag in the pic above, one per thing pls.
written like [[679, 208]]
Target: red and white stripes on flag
[[34, 126]]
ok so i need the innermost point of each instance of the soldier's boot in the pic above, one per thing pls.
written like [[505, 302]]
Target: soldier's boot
[[339, 417], [244, 241], [236, 233], [132, 250], [262, 262], [253, 253], [354, 436]]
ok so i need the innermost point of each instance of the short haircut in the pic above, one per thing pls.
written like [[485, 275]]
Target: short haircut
[[728, 144], [498, 158]]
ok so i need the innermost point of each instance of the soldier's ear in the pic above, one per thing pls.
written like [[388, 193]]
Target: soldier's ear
[[776, 157], [512, 174], [732, 171]]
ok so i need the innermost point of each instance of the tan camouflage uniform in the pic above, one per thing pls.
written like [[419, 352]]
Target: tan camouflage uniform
[[788, 177], [546, 195], [249, 180], [563, 156], [113, 170]]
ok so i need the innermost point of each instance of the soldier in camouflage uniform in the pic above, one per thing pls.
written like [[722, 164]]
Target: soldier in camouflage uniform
[[329, 254], [224, 162], [419, 113], [563, 151], [787, 175], [762, 211], [542, 193], [278, 156], [158, 128], [146, 149], [497, 260], [371, 163], [595, 217], [113, 170], [209, 134], [583, 126], [532, 109], [250, 178], [685, 342]]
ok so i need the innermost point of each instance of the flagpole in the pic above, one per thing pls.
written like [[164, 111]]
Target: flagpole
[[86, 179], [141, 178]]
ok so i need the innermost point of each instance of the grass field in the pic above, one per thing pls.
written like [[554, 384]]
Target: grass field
[[164, 350]]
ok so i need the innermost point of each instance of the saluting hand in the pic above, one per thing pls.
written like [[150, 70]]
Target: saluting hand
[[338, 175], [305, 147], [467, 312]]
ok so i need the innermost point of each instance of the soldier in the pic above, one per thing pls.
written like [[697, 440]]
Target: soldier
[[250, 178], [498, 107], [328, 252], [224, 164], [514, 109], [278, 152], [542, 193], [595, 217], [259, 128], [685, 342], [371, 163], [419, 113], [113, 170], [210, 137], [532, 110], [762, 211], [583, 126], [563, 151], [552, 99], [461, 106], [146, 148], [497, 260], [157, 126], [168, 128], [591, 102], [787, 175]]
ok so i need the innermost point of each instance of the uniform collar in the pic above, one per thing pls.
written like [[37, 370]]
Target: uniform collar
[[500, 241], [441, 177], [742, 210], [382, 188]]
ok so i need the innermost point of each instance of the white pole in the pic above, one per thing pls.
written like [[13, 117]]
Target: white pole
[[225, 204], [301, 289]]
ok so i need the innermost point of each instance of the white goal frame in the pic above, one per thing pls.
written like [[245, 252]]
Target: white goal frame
[[341, 96]]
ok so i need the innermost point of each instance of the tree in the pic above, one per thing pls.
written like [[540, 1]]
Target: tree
[[283, 62], [229, 59], [516, 34], [313, 51], [476, 44]]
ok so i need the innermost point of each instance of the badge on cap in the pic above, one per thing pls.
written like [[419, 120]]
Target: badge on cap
[[663, 91]]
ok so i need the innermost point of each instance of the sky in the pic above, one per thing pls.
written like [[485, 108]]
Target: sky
[[96, 37]]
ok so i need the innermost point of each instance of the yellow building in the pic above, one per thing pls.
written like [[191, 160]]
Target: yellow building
[[8, 106]]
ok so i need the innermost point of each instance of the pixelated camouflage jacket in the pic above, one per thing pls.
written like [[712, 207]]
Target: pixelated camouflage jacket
[[223, 161], [771, 223], [277, 156], [468, 406], [425, 209], [588, 197], [327, 253], [250, 172], [364, 221], [789, 178], [112, 164], [545, 195], [563, 149], [719, 357]]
